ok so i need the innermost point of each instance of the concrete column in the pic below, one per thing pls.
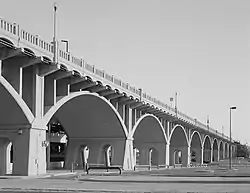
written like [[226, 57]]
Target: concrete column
[[202, 154], [134, 119], [33, 90], [29, 154], [223, 154], [128, 118], [212, 151], [5, 156], [167, 155], [188, 155], [121, 110], [129, 155], [167, 129]]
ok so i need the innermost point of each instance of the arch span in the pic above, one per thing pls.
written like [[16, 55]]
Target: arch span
[[149, 135], [215, 150], [92, 121], [196, 147], [154, 128], [207, 149], [13, 111], [78, 101], [179, 126], [179, 142]]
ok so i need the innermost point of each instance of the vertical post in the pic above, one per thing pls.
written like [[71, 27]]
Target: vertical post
[[230, 157], [176, 103], [54, 37]]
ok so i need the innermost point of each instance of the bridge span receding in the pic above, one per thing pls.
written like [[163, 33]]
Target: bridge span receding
[[120, 124]]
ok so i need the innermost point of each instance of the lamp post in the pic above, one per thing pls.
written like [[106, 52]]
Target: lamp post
[[175, 106], [230, 144], [54, 36]]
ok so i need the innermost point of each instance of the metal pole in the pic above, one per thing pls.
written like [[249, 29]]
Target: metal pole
[[176, 103], [230, 157], [54, 37]]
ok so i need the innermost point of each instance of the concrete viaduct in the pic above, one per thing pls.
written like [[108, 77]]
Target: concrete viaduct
[[96, 110]]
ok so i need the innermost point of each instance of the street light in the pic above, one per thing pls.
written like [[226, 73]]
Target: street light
[[230, 144], [54, 36]]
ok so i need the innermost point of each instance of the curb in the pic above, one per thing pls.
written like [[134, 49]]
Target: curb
[[64, 190], [174, 181]]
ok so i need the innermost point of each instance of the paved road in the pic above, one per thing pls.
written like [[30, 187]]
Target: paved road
[[111, 186]]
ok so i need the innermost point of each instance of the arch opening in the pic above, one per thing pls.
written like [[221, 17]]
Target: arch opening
[[179, 146], [6, 158], [207, 150], [215, 151], [153, 157], [221, 157], [177, 157], [196, 148], [150, 141], [93, 122]]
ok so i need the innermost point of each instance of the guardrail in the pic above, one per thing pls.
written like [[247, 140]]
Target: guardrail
[[47, 47]]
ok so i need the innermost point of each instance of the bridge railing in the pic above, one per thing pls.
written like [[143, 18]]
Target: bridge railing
[[36, 42]]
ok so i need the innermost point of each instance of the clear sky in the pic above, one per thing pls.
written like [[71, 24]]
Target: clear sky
[[199, 49]]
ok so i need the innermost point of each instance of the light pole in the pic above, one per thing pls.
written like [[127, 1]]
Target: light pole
[[171, 101], [230, 144], [54, 36], [176, 104]]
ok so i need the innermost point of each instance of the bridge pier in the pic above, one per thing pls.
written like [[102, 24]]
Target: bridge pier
[[29, 156]]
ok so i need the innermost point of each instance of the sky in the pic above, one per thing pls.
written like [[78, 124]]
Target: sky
[[199, 49]]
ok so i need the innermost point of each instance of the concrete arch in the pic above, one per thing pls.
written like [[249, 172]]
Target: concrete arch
[[179, 146], [149, 134], [196, 148], [14, 106], [91, 120], [75, 95], [210, 141], [145, 117], [215, 150], [193, 135], [207, 149], [183, 131]]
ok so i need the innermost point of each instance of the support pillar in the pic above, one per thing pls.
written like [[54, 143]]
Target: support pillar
[[29, 153], [167, 156], [202, 154], [128, 118], [129, 155], [211, 155]]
